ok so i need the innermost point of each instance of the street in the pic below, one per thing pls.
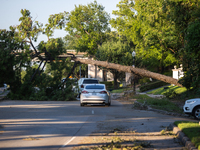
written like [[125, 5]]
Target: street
[[53, 125]]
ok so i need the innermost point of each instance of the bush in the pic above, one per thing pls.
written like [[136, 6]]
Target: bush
[[109, 84], [170, 93], [26, 91], [144, 80], [152, 85]]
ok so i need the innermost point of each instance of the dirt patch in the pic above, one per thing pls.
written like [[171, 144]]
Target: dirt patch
[[126, 140]]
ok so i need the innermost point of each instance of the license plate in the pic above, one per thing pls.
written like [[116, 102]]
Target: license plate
[[93, 93]]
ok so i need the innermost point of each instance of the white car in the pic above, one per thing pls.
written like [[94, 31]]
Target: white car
[[192, 107], [95, 94], [84, 81]]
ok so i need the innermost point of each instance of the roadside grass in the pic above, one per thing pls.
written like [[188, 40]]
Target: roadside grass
[[163, 104], [162, 90], [121, 90], [191, 130]]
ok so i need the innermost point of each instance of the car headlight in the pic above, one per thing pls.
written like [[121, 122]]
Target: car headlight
[[190, 101]]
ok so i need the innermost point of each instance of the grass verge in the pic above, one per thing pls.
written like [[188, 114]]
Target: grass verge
[[163, 104], [191, 130], [120, 90], [161, 91]]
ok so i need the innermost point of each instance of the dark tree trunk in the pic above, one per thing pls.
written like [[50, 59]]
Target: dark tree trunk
[[115, 75]]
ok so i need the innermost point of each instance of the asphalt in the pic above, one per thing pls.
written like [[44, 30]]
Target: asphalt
[[183, 138]]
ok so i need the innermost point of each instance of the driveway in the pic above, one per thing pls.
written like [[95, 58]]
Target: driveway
[[63, 125]]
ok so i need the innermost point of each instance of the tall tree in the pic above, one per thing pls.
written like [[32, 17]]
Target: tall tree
[[8, 51], [87, 25], [145, 22], [18, 45], [192, 57], [185, 15]]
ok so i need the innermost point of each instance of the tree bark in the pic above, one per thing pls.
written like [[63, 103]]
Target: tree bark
[[115, 74], [137, 71]]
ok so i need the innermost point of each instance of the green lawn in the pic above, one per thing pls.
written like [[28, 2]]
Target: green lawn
[[191, 130], [161, 91], [162, 104]]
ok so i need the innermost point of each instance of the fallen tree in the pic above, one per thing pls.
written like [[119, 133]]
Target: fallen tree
[[130, 69]]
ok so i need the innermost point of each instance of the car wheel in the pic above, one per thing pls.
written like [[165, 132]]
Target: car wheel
[[196, 112], [81, 104]]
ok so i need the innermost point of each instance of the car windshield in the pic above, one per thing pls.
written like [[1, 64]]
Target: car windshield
[[99, 87], [90, 81]]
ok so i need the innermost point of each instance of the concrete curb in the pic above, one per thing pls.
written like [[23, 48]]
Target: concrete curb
[[183, 138]]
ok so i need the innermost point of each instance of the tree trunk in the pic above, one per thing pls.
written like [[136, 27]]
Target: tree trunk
[[115, 74], [121, 68]]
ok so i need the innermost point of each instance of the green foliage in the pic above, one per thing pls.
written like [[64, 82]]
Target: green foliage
[[87, 25], [115, 52], [162, 104], [109, 84], [170, 93], [56, 21], [27, 28], [162, 90], [10, 64], [27, 92], [152, 85], [191, 56], [164, 32], [191, 130], [53, 46], [16, 53], [146, 24], [144, 80]]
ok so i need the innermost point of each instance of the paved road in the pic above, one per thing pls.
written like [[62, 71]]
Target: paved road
[[43, 125]]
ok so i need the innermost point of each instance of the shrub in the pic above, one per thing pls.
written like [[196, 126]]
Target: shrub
[[170, 93], [152, 85], [109, 84]]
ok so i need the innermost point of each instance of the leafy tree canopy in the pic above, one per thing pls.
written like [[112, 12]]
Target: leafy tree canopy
[[87, 25], [115, 52], [17, 46], [145, 22]]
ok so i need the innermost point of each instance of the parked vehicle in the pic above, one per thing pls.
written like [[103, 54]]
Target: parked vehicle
[[192, 107], [84, 81], [95, 94]]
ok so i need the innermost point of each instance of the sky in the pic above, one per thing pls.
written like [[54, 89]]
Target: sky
[[42, 9]]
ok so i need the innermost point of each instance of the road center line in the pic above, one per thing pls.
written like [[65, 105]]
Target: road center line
[[69, 141]]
